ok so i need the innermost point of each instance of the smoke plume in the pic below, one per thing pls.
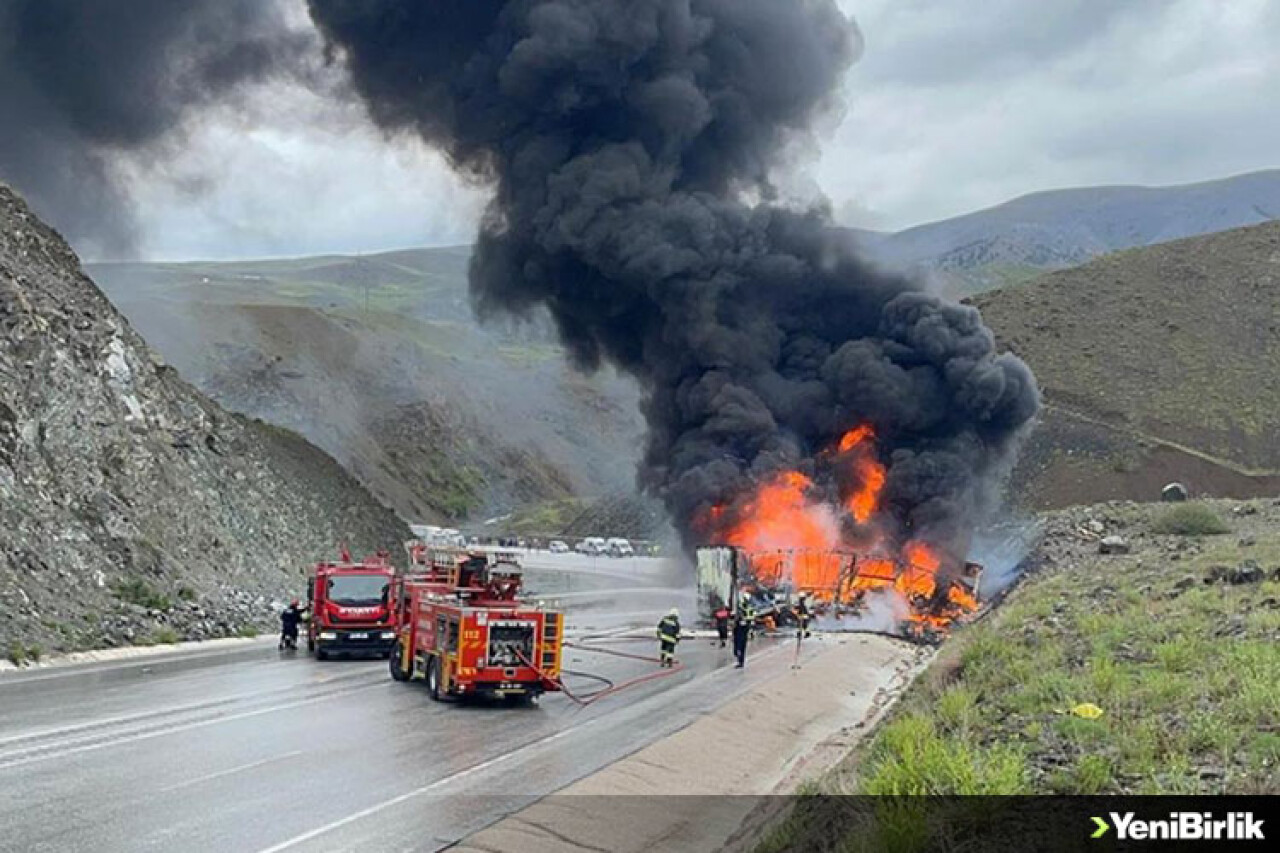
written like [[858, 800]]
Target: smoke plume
[[83, 82], [631, 147]]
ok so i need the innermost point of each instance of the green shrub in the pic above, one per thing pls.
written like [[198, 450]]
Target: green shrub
[[17, 653], [1190, 520], [912, 758], [186, 593], [165, 635], [1093, 774], [139, 592], [21, 654], [247, 631]]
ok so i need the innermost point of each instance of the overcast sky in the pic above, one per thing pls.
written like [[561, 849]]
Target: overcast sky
[[955, 106]]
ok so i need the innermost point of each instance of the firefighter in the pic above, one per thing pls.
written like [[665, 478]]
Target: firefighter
[[803, 615], [668, 636], [721, 617], [289, 619], [743, 621]]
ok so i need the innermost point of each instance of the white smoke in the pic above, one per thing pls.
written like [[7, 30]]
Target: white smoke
[[1002, 550], [883, 611]]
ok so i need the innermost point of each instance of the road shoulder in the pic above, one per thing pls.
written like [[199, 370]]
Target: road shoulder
[[700, 787], [125, 654]]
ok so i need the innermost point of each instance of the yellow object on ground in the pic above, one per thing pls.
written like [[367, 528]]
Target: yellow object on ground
[[1088, 710]]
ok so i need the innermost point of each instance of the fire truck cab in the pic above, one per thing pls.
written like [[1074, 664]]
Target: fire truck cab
[[350, 605], [465, 631]]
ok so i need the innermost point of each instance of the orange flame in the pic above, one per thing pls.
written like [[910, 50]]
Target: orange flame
[[791, 538], [854, 437], [871, 474], [780, 516]]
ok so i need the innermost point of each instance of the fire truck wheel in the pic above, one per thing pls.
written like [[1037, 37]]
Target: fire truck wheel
[[433, 678], [321, 654], [397, 670]]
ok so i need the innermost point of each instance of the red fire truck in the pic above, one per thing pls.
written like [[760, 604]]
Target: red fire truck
[[350, 606], [465, 631]]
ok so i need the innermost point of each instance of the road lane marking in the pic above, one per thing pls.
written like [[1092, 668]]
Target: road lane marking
[[65, 670], [425, 789], [112, 721], [32, 759], [56, 740], [221, 773], [492, 762]]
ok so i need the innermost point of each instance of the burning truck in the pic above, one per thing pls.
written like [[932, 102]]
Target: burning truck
[[834, 545], [839, 585]]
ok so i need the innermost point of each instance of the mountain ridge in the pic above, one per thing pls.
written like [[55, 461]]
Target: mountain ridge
[[1017, 239]]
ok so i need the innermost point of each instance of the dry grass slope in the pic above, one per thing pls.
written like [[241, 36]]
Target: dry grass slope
[[1156, 363]]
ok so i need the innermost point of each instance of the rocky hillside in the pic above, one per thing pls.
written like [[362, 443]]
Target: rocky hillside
[[1018, 240], [379, 360], [1157, 364], [133, 508]]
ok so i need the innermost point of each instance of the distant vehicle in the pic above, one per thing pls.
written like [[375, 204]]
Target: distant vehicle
[[619, 547], [558, 547], [592, 545], [438, 537]]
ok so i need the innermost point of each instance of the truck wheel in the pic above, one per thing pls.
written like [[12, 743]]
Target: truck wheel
[[433, 678], [321, 654], [394, 664]]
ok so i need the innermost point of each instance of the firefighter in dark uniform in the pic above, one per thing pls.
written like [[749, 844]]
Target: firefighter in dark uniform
[[803, 615], [743, 621], [289, 619], [668, 636]]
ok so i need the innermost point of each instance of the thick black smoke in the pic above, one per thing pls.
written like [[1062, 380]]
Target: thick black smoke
[[83, 80], [630, 145]]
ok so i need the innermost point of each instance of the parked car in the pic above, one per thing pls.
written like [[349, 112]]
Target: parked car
[[619, 547], [558, 547]]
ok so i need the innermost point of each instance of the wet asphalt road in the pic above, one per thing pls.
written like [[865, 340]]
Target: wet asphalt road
[[248, 750]]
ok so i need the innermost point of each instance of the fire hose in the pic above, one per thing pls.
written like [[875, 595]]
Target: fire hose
[[611, 688]]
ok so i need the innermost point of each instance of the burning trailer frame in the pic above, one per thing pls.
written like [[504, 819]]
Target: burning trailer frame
[[838, 585]]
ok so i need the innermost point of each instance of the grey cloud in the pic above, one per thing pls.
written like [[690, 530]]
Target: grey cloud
[[958, 106], [80, 82], [927, 43]]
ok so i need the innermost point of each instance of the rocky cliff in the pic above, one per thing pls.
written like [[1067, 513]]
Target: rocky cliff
[[132, 507]]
